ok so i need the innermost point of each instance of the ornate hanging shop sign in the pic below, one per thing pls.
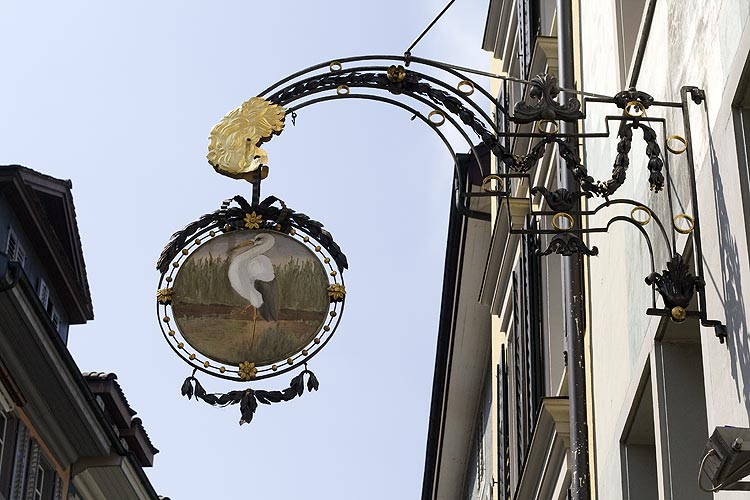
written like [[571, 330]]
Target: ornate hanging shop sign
[[255, 289], [252, 290]]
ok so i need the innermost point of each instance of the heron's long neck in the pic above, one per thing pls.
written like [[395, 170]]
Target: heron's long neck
[[262, 248]]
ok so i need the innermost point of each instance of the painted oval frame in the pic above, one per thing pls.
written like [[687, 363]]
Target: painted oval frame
[[187, 344]]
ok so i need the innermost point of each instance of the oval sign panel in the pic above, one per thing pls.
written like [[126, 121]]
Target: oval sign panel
[[255, 296], [250, 292]]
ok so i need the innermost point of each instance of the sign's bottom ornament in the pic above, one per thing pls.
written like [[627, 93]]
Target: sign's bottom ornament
[[248, 399], [249, 292]]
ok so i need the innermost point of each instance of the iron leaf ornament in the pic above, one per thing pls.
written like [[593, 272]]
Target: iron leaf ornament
[[544, 89], [273, 211], [561, 200], [524, 163], [626, 97], [676, 286], [567, 244], [248, 399]]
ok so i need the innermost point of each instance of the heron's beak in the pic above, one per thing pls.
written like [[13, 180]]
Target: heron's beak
[[244, 244]]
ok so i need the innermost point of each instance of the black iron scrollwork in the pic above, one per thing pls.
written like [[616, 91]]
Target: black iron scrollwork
[[248, 399], [567, 244], [411, 84], [526, 162], [568, 153], [626, 97], [544, 89], [622, 161], [675, 284], [655, 163], [561, 200], [697, 95], [279, 218]]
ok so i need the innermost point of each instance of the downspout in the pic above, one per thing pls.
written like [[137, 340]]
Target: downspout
[[10, 272], [572, 282]]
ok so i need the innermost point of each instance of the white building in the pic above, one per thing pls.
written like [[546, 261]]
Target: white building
[[657, 388]]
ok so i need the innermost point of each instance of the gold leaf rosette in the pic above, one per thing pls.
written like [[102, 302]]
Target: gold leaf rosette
[[234, 143]]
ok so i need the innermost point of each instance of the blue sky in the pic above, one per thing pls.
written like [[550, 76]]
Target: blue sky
[[120, 97]]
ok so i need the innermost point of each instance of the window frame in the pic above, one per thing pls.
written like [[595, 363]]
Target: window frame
[[741, 117], [18, 254], [40, 475], [43, 292]]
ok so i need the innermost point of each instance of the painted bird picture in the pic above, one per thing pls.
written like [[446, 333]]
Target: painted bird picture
[[252, 276]]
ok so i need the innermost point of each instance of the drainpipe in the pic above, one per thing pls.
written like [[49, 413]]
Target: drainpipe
[[572, 282], [9, 272]]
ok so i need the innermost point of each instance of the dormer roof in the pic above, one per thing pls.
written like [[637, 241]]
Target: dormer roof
[[129, 427], [44, 205]]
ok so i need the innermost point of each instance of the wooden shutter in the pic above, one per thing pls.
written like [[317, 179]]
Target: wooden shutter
[[20, 463], [503, 440], [526, 344]]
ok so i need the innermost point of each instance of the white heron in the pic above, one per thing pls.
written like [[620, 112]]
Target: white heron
[[252, 276]]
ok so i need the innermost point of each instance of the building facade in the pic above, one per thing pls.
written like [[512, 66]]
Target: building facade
[[656, 388], [63, 434]]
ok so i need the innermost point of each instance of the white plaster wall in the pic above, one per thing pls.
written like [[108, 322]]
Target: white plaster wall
[[691, 42]]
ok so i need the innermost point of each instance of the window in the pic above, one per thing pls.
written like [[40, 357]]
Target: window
[[3, 439], [40, 479], [683, 423], [479, 480], [47, 304], [39, 483], [525, 344], [638, 448], [43, 293], [503, 440], [742, 134], [20, 460], [3, 426], [14, 250], [526, 35], [55, 319], [8, 426]]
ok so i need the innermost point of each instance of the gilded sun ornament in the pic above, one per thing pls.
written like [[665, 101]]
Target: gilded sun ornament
[[234, 143], [336, 292], [253, 220], [164, 296], [247, 370]]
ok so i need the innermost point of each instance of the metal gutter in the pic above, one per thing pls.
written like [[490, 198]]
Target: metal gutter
[[25, 289], [573, 284], [449, 303]]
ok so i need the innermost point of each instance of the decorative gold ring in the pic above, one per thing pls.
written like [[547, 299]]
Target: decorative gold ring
[[440, 120], [564, 215], [542, 126], [679, 139], [637, 105], [680, 230], [645, 210], [465, 87], [492, 177], [342, 89], [335, 66]]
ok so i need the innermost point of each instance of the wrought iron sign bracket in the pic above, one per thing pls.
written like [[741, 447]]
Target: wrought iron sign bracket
[[255, 289], [682, 293]]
